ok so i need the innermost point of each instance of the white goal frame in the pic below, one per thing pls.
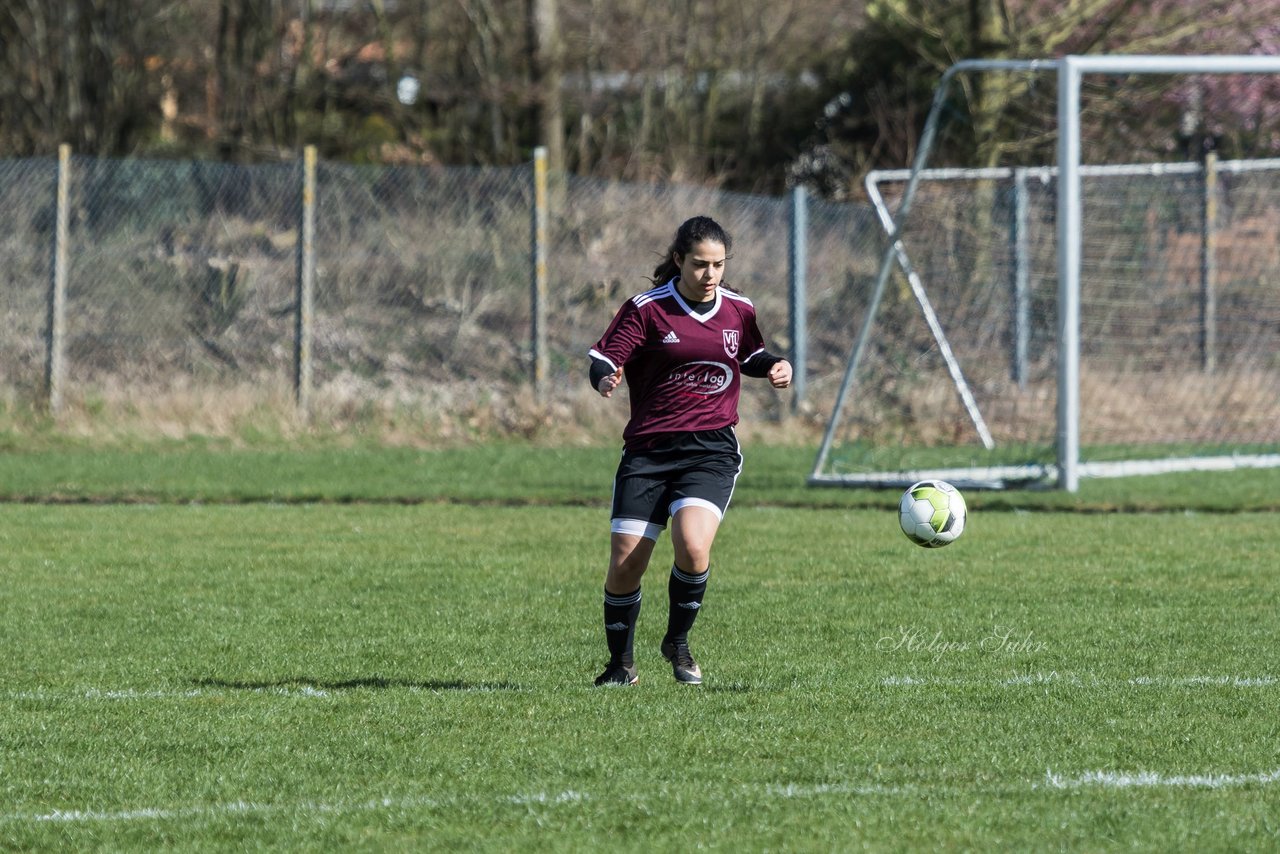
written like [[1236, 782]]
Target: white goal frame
[[1068, 469]]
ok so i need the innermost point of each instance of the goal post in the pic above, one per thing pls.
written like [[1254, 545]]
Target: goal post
[[1070, 71], [1062, 465]]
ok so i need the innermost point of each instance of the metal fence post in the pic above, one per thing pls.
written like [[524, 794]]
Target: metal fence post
[[306, 266], [1209, 265], [1021, 278], [798, 268], [538, 286], [55, 367]]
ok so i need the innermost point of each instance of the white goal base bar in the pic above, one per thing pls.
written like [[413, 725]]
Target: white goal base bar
[[1003, 477]]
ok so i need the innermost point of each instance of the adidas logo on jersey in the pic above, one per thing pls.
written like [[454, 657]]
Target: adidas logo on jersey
[[671, 338]]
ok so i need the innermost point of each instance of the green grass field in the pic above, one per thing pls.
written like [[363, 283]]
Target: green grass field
[[388, 650]]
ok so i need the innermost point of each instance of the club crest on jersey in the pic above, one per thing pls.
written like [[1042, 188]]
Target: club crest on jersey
[[731, 342]]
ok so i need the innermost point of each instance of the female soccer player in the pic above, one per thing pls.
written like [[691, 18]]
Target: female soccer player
[[682, 347]]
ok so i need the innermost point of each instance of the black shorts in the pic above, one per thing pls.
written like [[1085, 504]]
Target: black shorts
[[680, 470]]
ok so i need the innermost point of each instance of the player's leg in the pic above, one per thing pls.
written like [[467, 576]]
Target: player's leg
[[701, 497], [693, 530], [631, 541], [628, 558]]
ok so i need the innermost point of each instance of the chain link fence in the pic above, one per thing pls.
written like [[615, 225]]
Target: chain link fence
[[1178, 323], [182, 282], [183, 278], [27, 195]]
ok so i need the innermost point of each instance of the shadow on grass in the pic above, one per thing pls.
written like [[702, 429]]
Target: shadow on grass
[[373, 682], [728, 688]]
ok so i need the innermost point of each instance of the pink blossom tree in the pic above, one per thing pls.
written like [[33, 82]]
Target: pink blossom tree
[[1011, 117], [1238, 113]]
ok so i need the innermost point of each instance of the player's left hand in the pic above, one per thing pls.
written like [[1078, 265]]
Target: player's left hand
[[780, 374]]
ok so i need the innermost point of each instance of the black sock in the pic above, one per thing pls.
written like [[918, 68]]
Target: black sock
[[620, 613], [686, 592]]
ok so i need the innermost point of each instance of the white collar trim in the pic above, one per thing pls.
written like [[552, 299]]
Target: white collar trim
[[701, 318]]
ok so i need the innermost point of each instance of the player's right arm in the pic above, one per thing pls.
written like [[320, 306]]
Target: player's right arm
[[625, 334], [604, 377]]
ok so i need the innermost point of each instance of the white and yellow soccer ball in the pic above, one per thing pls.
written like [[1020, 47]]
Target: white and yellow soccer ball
[[932, 513]]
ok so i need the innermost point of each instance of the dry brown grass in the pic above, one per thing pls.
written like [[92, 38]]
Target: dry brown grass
[[1117, 409], [351, 412]]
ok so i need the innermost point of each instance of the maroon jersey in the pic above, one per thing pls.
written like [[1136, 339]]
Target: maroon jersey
[[682, 368]]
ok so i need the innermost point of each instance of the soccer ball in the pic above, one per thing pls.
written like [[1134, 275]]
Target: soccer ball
[[932, 513]]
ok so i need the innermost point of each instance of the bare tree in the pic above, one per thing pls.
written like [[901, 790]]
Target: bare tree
[[642, 88], [545, 60], [489, 68], [249, 102], [74, 71]]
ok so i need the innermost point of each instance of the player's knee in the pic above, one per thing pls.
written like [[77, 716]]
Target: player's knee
[[693, 557], [623, 579], [631, 565], [626, 568]]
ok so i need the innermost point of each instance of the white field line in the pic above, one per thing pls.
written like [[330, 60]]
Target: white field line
[[792, 790], [570, 797], [211, 811], [297, 691], [1209, 681], [530, 799], [1052, 677], [1151, 779], [41, 694]]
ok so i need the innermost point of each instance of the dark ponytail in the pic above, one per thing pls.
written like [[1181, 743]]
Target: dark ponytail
[[690, 232]]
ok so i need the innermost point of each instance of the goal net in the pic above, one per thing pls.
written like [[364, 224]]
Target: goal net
[[1038, 325]]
